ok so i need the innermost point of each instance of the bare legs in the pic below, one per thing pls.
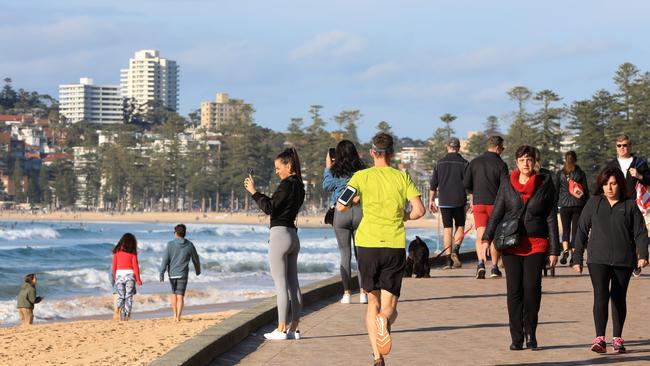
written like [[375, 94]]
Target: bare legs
[[379, 301], [178, 301]]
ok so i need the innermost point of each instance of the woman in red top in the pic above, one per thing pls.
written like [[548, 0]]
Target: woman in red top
[[538, 237], [126, 273]]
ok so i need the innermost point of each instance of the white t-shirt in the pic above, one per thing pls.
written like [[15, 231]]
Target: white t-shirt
[[625, 164]]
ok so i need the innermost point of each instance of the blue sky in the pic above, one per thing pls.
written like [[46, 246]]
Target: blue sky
[[405, 62]]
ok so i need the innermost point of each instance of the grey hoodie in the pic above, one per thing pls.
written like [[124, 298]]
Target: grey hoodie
[[177, 258]]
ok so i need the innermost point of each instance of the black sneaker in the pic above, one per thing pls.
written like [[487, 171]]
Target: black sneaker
[[564, 256], [636, 272], [495, 273], [480, 271], [456, 260], [379, 362], [449, 264]]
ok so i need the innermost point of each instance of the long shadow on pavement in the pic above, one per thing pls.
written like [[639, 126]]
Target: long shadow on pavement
[[480, 296]]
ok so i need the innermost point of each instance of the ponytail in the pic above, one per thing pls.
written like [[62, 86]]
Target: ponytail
[[290, 156]]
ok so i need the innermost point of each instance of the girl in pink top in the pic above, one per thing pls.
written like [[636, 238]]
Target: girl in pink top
[[126, 273]]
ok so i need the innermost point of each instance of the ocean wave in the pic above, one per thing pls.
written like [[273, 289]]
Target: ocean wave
[[28, 233]]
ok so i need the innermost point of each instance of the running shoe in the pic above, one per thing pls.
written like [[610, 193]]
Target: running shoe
[[599, 346], [276, 335], [363, 298], [456, 260], [384, 342], [449, 264], [618, 346], [379, 362], [564, 256], [293, 335], [480, 271], [345, 299], [636, 272], [495, 273]]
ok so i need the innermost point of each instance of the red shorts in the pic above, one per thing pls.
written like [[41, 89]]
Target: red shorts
[[482, 215]]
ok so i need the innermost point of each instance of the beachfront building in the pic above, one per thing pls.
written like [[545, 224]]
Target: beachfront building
[[224, 111], [92, 103], [150, 78]]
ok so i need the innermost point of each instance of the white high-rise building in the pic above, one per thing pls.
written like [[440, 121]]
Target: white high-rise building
[[91, 103], [150, 77]]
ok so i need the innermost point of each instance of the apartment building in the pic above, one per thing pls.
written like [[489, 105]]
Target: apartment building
[[91, 103], [150, 77], [224, 111]]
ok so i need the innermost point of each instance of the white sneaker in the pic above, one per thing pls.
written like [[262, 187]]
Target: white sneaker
[[363, 298], [345, 299], [276, 335], [293, 335]]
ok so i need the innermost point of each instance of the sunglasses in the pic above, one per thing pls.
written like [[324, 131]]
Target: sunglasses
[[622, 145]]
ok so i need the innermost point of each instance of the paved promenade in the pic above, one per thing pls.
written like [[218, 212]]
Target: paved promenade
[[454, 319]]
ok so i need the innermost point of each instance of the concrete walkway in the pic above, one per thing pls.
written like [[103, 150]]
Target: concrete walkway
[[454, 319]]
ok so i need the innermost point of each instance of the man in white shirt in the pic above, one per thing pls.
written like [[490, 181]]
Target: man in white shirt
[[634, 168]]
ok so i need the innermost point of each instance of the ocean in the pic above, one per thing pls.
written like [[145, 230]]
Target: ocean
[[72, 261]]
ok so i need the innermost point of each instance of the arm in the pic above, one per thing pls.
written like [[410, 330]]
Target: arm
[[329, 182], [640, 234], [164, 265], [497, 214], [417, 209], [268, 204], [553, 231], [114, 267], [195, 261], [585, 185], [644, 173], [136, 269], [31, 295], [582, 233]]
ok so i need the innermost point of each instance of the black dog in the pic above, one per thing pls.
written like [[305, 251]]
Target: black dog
[[417, 261]]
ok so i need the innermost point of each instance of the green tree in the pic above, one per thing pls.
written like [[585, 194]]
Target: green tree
[[476, 145], [348, 122], [492, 126], [447, 119], [384, 127], [546, 123], [520, 132]]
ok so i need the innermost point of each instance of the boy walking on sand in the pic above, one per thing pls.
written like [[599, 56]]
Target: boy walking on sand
[[176, 263], [26, 300], [381, 238]]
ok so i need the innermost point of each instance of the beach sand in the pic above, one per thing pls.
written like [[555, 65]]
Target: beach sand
[[429, 221], [100, 342]]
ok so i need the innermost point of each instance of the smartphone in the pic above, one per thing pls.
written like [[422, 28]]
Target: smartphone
[[332, 153], [346, 197], [251, 171]]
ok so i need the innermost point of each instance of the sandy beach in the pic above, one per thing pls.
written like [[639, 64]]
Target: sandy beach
[[429, 221], [100, 342]]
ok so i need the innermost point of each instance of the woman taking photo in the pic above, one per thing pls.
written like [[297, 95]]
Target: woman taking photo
[[528, 198], [126, 273], [613, 230], [572, 190], [283, 206], [338, 171]]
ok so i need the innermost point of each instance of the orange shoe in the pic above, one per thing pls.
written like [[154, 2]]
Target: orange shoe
[[383, 340]]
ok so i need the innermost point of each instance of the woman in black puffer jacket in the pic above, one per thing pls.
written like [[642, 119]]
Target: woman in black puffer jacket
[[570, 205], [538, 238]]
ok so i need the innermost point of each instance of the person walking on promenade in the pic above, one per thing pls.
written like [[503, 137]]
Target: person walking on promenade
[[447, 184], [573, 193], [612, 229], [338, 171], [634, 168], [176, 263], [126, 273], [26, 300], [381, 238], [527, 199], [284, 245], [483, 177]]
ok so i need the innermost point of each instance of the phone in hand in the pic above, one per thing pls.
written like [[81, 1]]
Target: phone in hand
[[251, 171], [346, 197], [332, 153]]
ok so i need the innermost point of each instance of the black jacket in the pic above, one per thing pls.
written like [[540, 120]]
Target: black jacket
[[641, 167], [285, 203], [617, 233], [540, 220], [483, 177], [447, 178], [565, 199]]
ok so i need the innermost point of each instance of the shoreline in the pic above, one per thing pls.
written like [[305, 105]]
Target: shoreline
[[429, 221]]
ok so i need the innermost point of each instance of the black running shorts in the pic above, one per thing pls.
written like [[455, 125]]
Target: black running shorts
[[381, 268], [178, 285], [451, 215]]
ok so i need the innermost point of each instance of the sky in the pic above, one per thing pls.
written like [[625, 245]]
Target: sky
[[405, 62]]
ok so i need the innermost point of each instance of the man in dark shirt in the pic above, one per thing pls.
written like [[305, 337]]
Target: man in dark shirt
[[447, 183], [483, 177]]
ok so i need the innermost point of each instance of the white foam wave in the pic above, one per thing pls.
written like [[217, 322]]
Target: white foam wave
[[83, 278], [33, 233]]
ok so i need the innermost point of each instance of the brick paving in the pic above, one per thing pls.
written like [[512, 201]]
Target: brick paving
[[454, 319]]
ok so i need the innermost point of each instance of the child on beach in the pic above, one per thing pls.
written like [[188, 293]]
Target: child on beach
[[126, 273], [26, 300]]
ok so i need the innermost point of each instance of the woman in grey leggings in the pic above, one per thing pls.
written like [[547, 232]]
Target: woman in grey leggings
[[338, 171], [283, 206]]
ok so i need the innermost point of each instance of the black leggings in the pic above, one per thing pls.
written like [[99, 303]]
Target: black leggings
[[569, 217], [601, 277], [524, 287]]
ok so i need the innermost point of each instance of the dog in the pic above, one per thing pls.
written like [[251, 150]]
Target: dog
[[417, 261]]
